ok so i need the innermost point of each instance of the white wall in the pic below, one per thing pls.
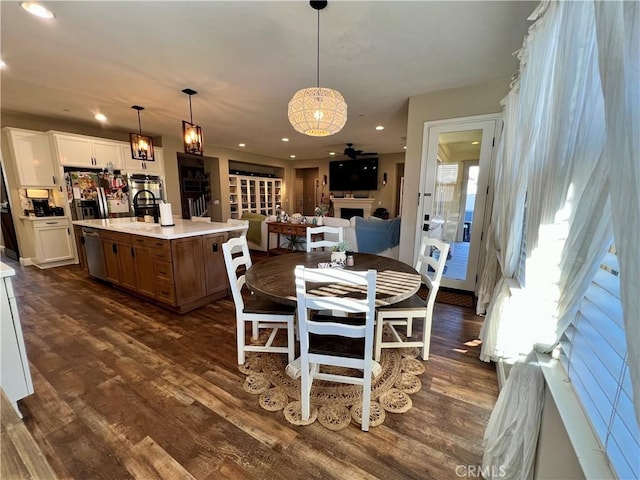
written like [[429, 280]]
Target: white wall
[[445, 104]]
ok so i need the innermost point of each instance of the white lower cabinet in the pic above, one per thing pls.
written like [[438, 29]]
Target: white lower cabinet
[[53, 242], [15, 376]]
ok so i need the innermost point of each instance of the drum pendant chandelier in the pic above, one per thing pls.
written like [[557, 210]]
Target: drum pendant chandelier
[[317, 111]]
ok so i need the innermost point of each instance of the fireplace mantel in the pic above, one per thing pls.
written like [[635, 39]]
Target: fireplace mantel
[[366, 204]]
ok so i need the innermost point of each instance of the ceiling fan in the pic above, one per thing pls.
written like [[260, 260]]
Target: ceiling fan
[[353, 153]]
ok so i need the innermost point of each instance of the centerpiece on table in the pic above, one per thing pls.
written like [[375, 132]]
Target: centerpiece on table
[[319, 213], [339, 252]]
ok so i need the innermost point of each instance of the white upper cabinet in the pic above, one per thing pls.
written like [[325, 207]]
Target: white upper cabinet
[[148, 167], [81, 151], [31, 155]]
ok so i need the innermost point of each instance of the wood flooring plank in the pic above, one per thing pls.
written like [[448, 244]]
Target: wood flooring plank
[[31, 456], [124, 389], [165, 465]]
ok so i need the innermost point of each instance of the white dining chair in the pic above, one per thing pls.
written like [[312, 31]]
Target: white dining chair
[[430, 265], [261, 312], [336, 232], [335, 341]]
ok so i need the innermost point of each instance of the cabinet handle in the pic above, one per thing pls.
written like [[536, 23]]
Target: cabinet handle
[[164, 292], [53, 177], [214, 247], [82, 240], [132, 252], [114, 247], [51, 223], [68, 232]]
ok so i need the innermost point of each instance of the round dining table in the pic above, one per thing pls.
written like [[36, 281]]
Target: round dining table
[[274, 277]]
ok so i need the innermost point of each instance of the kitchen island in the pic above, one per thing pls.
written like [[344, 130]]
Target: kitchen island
[[180, 267]]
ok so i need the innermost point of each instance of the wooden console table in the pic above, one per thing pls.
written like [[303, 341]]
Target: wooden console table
[[296, 229]]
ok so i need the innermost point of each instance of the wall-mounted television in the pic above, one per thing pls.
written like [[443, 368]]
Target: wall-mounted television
[[350, 175]]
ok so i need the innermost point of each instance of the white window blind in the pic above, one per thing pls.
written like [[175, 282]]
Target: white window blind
[[594, 355]]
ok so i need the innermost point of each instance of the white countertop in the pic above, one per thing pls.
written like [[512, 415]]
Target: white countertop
[[33, 218], [6, 270], [182, 228]]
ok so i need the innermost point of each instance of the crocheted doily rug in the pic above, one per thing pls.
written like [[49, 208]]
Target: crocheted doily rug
[[334, 405]]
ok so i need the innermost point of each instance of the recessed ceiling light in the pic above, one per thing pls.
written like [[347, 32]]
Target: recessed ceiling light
[[285, 139], [379, 127], [292, 156], [37, 10], [332, 154], [101, 117], [242, 145], [475, 143], [405, 147]]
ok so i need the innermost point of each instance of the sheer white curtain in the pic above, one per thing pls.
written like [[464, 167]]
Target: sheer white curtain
[[580, 170], [526, 112], [618, 37], [498, 259]]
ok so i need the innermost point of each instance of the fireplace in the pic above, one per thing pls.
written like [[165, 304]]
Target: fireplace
[[361, 207], [351, 212]]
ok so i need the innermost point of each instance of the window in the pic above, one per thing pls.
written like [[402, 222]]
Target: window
[[446, 180], [594, 355]]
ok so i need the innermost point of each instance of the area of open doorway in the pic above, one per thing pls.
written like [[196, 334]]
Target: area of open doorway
[[309, 191], [455, 179]]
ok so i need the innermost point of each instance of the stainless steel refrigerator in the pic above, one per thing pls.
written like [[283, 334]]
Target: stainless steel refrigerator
[[97, 193]]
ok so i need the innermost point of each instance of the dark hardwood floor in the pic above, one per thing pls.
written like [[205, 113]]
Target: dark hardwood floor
[[124, 389]]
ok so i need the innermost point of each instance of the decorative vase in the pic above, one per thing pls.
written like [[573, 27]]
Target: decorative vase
[[339, 257]]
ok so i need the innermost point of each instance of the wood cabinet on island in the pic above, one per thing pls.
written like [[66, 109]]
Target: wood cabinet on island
[[180, 267]]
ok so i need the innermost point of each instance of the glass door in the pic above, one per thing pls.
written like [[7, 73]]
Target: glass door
[[454, 192]]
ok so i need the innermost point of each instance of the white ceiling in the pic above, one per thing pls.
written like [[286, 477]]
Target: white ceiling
[[247, 59]]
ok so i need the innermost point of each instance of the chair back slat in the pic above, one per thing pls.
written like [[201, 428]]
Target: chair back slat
[[337, 232], [430, 264], [308, 300], [325, 289], [236, 255], [262, 316]]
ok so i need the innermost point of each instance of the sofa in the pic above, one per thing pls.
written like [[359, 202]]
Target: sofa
[[365, 235]]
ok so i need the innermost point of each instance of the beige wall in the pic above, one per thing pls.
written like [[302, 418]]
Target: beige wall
[[385, 195], [445, 104]]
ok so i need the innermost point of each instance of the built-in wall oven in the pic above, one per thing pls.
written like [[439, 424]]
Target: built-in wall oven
[[151, 183]]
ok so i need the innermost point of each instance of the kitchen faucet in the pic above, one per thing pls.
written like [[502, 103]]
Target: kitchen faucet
[[143, 210]]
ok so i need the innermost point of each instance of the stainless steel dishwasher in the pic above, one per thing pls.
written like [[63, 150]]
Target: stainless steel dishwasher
[[95, 258]]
